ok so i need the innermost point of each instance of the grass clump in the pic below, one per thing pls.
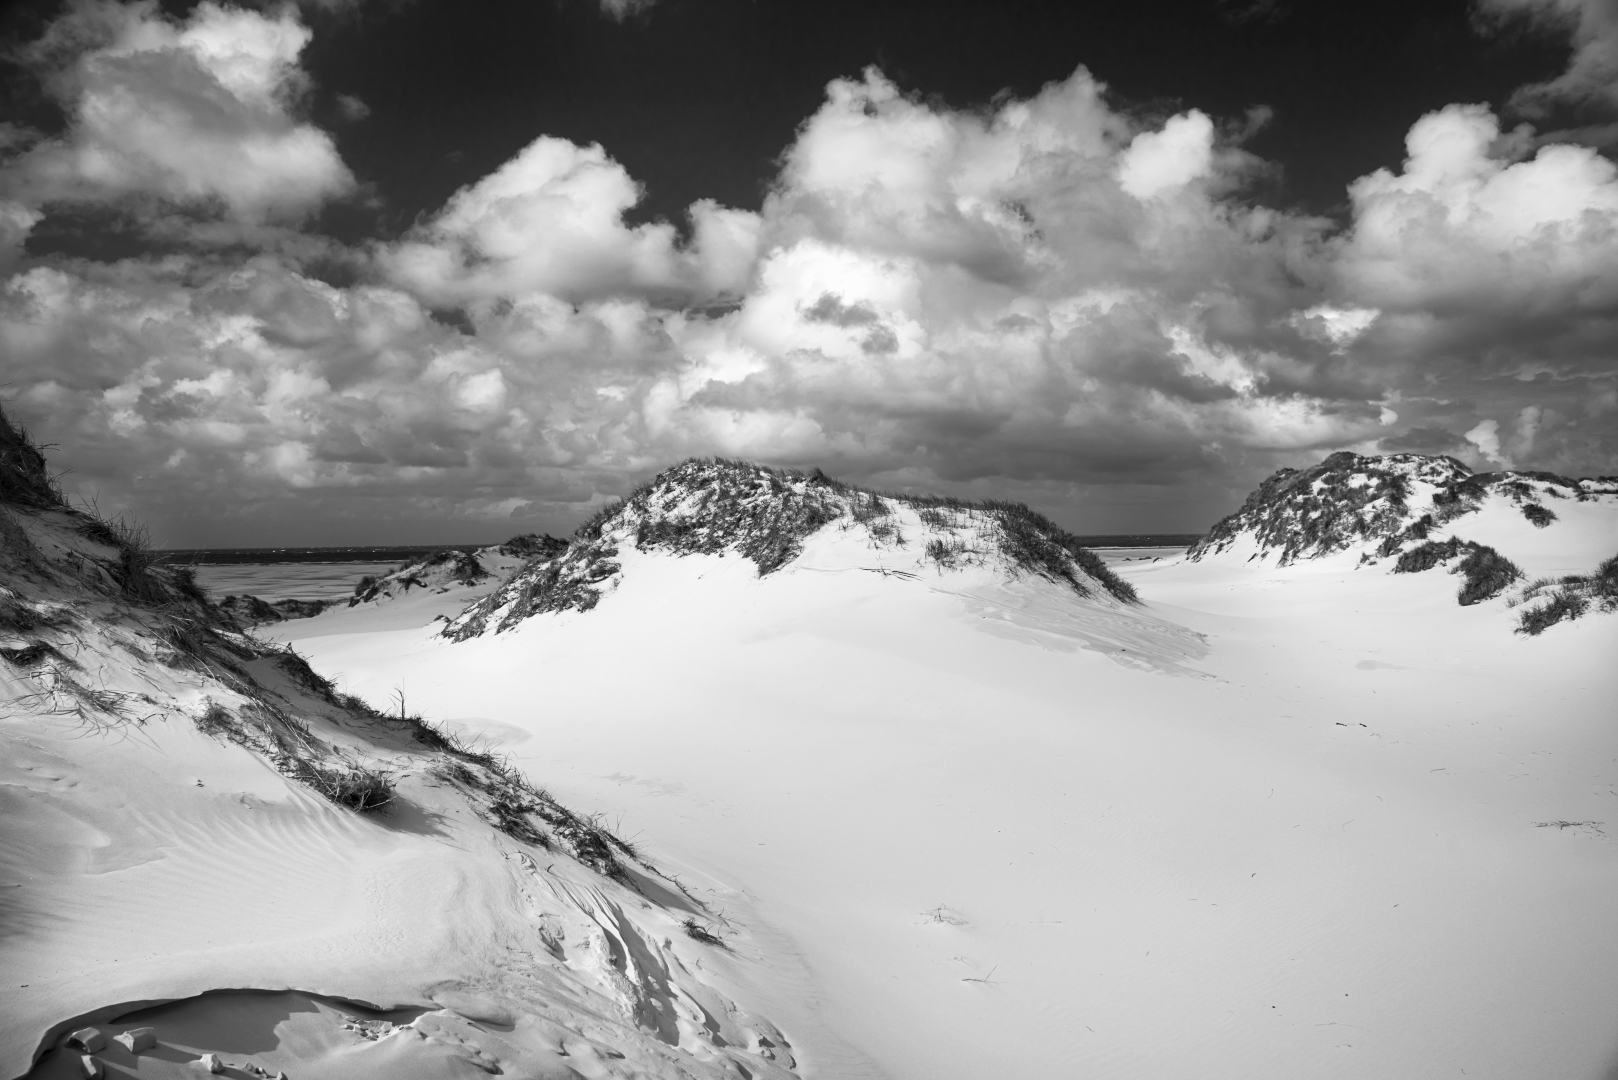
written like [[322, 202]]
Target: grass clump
[[513, 805], [1563, 606], [24, 480], [32, 654], [364, 791], [1538, 515], [1568, 599], [947, 553], [20, 618], [1485, 574], [216, 720], [697, 932], [533, 546], [297, 669], [1426, 556], [1035, 543]]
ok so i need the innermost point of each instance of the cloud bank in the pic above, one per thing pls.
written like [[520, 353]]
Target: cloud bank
[[1055, 298], [196, 113]]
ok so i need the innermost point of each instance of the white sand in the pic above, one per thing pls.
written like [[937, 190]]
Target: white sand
[[143, 861], [1275, 824]]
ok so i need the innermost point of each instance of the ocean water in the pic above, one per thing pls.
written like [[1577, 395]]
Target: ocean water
[[334, 580], [1146, 552], [287, 580]]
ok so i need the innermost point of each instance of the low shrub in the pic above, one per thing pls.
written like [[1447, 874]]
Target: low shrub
[[361, 790], [217, 720], [301, 609], [946, 553], [1563, 605], [1427, 555], [533, 546], [1569, 598], [1604, 582], [1540, 516], [1486, 574]]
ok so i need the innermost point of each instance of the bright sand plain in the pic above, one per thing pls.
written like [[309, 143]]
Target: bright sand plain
[[1313, 822]]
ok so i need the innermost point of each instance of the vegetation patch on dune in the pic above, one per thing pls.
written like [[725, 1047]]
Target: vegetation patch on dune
[[1549, 601], [715, 506], [1389, 503], [1323, 509], [100, 578], [1485, 573]]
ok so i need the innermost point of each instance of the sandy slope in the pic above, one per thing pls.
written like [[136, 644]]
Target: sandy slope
[[144, 860], [1276, 823]]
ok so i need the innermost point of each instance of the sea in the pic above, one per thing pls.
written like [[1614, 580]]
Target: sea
[[304, 573], [330, 573]]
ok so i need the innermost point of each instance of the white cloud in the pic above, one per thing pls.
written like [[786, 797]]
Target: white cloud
[[1341, 326], [1486, 437], [1049, 298], [550, 221], [1162, 161], [225, 387], [1461, 225], [195, 113]]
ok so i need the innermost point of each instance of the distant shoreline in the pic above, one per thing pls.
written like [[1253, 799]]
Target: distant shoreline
[[226, 556], [220, 556]]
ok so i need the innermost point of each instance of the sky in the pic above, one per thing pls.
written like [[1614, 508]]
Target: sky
[[406, 271]]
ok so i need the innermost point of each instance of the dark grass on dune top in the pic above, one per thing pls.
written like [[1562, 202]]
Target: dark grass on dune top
[[714, 505]]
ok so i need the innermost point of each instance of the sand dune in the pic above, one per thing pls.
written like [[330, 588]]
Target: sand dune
[[182, 818], [936, 810], [1308, 826]]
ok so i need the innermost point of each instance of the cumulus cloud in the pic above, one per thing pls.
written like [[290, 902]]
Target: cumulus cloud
[[1050, 289], [215, 389], [1493, 270], [1055, 299], [1463, 224], [550, 221], [1486, 437], [1163, 161], [197, 113]]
